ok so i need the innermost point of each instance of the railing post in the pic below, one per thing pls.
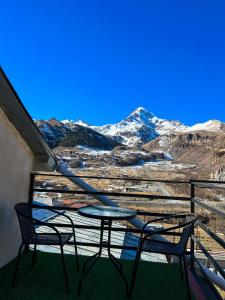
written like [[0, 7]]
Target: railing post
[[30, 198], [192, 211], [31, 189]]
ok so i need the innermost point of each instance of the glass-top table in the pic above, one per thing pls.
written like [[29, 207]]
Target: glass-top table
[[106, 214]]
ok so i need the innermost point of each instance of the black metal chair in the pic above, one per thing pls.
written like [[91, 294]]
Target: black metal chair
[[147, 244], [30, 236]]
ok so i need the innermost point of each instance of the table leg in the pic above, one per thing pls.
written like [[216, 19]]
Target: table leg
[[94, 257], [117, 264]]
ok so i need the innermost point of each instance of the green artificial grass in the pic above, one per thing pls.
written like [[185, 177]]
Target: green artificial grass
[[45, 281]]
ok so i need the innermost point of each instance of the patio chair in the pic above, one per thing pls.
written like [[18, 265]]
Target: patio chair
[[29, 234], [147, 244]]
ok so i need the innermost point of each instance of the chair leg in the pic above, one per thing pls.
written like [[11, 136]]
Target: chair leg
[[186, 277], [64, 270], [34, 255], [181, 269], [134, 272], [77, 260], [17, 265], [76, 252]]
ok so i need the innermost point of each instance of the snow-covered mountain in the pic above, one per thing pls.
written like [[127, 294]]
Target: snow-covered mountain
[[137, 129], [142, 125]]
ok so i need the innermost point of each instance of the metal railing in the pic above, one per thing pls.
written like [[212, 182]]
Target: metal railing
[[196, 243], [192, 199]]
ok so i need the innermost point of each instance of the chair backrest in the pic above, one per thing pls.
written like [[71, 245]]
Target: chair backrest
[[24, 213], [188, 225]]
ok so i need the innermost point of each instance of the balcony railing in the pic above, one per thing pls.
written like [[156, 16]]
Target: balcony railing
[[189, 194]]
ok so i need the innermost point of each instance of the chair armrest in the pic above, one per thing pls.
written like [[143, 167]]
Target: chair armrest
[[68, 218], [55, 211], [61, 214], [156, 220], [39, 223], [171, 228], [162, 218], [160, 231]]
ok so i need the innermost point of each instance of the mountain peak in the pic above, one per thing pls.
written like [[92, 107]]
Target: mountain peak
[[142, 110], [140, 115]]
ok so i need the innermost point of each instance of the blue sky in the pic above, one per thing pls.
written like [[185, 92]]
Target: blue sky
[[99, 60]]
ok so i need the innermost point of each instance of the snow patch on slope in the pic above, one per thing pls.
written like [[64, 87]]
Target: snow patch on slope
[[72, 123], [211, 125]]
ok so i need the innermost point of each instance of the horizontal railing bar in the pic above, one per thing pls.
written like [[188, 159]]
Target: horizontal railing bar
[[104, 245], [212, 234], [55, 207], [113, 178], [214, 262], [74, 209], [132, 195], [151, 214], [209, 207], [206, 181], [113, 246], [116, 229]]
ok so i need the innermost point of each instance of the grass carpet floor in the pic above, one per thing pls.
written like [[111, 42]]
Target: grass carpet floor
[[45, 281]]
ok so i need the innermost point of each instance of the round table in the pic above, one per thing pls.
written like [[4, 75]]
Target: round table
[[106, 214]]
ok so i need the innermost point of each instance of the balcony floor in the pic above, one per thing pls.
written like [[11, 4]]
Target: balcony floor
[[45, 281]]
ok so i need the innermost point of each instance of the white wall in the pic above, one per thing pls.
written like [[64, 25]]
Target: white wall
[[16, 161]]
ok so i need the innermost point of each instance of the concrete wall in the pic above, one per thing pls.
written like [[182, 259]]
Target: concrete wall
[[16, 161]]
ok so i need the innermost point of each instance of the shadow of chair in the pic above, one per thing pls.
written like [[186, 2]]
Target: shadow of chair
[[28, 226], [147, 244]]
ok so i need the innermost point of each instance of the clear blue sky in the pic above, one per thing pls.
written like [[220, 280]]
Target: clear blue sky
[[99, 60]]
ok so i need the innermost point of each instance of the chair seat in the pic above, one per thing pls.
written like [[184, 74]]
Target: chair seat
[[161, 247], [51, 239]]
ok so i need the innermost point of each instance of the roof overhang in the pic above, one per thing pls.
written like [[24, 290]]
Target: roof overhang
[[15, 111]]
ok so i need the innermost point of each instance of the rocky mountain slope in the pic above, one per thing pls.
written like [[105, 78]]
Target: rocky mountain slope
[[200, 147], [58, 134], [52, 130]]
